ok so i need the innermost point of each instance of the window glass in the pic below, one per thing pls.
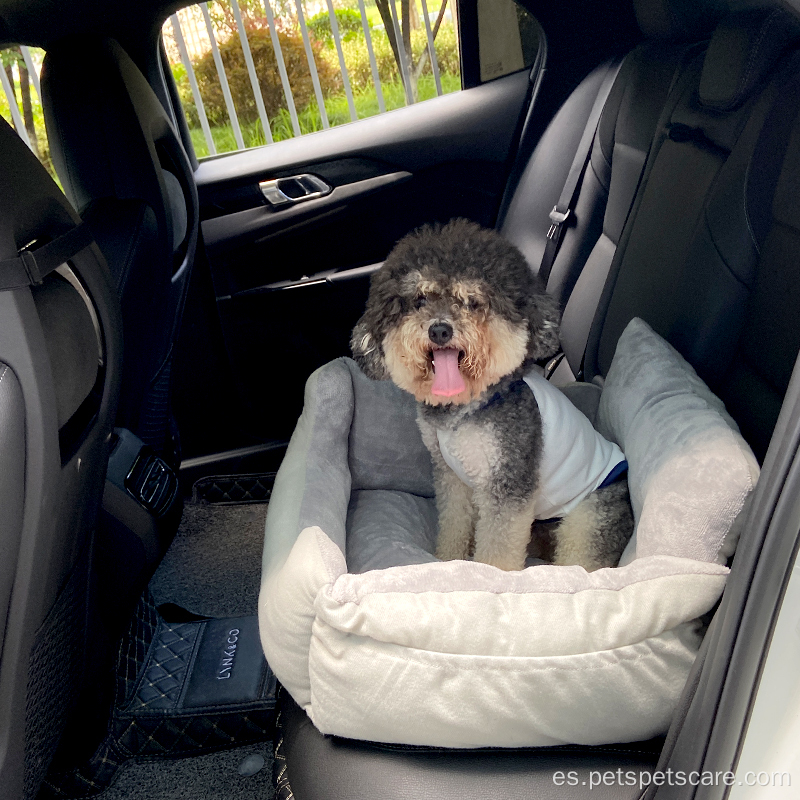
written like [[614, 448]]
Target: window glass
[[20, 102], [253, 72], [508, 38]]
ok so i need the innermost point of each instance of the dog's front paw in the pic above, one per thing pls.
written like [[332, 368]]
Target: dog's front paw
[[509, 563], [448, 549], [456, 514], [502, 536], [455, 538]]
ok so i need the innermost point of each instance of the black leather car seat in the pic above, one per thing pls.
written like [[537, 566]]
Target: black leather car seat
[[619, 148], [124, 168], [708, 256], [621, 140], [60, 370], [693, 262]]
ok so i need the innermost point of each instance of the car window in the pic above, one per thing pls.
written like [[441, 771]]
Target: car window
[[254, 72], [20, 100]]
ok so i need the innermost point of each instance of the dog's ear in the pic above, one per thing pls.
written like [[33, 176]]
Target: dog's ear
[[544, 316], [367, 351], [384, 310]]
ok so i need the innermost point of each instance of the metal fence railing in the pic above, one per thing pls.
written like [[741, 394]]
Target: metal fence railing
[[10, 61], [251, 72], [254, 71], [20, 99]]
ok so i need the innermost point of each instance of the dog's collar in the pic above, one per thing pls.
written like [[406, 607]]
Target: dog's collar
[[500, 397]]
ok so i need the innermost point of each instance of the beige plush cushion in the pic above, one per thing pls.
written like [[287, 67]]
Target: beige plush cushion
[[690, 469], [460, 654]]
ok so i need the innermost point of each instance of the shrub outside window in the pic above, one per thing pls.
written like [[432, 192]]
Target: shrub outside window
[[254, 72], [20, 99]]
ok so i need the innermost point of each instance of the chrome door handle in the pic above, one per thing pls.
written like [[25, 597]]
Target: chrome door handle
[[296, 189]]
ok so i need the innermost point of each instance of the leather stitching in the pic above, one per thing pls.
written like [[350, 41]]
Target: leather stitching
[[754, 53], [746, 207], [133, 242]]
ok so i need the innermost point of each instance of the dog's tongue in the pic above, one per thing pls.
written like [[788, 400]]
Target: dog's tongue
[[447, 380]]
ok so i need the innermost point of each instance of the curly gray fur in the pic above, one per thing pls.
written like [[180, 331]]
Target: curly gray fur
[[460, 249], [499, 433]]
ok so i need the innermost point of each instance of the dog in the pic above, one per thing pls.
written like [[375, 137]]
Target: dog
[[456, 317]]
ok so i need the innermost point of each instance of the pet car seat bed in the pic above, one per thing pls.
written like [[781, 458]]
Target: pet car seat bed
[[378, 640]]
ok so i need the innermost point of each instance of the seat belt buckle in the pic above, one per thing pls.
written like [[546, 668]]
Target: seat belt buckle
[[552, 365], [557, 219]]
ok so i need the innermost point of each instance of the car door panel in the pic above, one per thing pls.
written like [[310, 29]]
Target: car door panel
[[256, 246], [291, 281]]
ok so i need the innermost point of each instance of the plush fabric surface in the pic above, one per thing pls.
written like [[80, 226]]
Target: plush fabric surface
[[462, 607], [690, 469], [385, 447], [378, 640], [387, 528], [585, 397], [438, 654]]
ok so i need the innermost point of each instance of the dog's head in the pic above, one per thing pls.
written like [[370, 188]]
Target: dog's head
[[453, 310]]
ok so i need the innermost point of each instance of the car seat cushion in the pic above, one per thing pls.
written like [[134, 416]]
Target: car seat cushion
[[387, 528], [690, 468], [378, 640], [742, 53]]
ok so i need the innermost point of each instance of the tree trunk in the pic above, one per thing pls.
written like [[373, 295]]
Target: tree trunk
[[388, 24], [27, 108], [413, 16], [405, 16], [10, 75], [405, 33]]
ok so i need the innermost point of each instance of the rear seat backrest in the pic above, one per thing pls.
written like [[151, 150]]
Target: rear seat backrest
[[620, 147], [525, 221], [624, 138], [687, 263], [762, 360]]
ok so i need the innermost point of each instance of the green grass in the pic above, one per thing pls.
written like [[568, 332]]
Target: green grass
[[336, 107]]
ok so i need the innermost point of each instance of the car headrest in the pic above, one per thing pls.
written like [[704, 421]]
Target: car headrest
[[116, 140], [77, 310], [677, 20], [744, 48]]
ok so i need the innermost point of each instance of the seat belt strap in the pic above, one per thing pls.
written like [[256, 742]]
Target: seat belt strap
[[32, 266], [680, 77], [569, 194]]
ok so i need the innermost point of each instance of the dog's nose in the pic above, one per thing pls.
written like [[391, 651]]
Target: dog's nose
[[440, 333]]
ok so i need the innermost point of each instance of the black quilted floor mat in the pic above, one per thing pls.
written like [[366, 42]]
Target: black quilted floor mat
[[174, 733], [155, 751], [233, 489]]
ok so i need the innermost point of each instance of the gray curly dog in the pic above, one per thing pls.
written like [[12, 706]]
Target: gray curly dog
[[456, 318]]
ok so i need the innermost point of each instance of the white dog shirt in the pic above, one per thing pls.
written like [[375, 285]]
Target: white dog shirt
[[576, 458]]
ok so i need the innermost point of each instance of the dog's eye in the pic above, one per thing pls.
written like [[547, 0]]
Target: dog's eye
[[473, 304], [420, 301]]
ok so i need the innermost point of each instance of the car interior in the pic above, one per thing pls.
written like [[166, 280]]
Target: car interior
[[159, 318]]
